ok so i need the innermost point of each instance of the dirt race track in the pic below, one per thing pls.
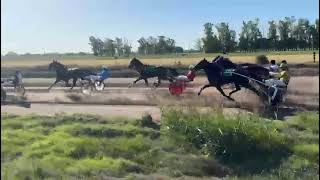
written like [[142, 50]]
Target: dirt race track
[[119, 100]]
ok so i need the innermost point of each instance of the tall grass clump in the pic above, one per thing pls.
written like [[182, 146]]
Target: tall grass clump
[[188, 144], [241, 140], [306, 121]]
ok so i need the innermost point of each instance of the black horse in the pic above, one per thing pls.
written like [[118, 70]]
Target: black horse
[[149, 71], [65, 74], [216, 78], [255, 71]]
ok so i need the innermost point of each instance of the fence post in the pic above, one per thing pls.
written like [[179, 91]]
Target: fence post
[[314, 57]]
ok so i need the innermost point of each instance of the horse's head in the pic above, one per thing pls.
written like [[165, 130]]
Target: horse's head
[[134, 63], [52, 65], [201, 65], [55, 65]]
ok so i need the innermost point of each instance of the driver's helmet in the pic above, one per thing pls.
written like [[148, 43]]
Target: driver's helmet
[[18, 74], [104, 67], [283, 66], [191, 67]]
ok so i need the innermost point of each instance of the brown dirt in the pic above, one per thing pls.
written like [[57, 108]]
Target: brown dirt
[[134, 102], [105, 110]]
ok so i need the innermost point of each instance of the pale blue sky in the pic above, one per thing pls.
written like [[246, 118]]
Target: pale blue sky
[[65, 25]]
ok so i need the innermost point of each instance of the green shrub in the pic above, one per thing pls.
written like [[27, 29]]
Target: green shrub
[[192, 145], [147, 121], [237, 140], [298, 169], [308, 151], [306, 121]]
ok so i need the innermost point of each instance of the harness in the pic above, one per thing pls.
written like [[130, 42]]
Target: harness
[[151, 69], [271, 96], [228, 72]]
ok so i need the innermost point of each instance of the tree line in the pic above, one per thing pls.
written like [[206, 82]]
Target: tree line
[[121, 47], [110, 47], [288, 33], [158, 45]]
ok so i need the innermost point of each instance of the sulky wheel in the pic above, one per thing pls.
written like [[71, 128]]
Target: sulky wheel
[[86, 87], [3, 94], [99, 86], [20, 90]]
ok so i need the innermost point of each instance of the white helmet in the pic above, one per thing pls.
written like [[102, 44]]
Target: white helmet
[[104, 67], [191, 67]]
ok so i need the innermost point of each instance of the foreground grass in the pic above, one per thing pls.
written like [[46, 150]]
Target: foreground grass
[[188, 145], [293, 57]]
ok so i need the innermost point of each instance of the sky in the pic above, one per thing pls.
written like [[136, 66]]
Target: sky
[[37, 26]]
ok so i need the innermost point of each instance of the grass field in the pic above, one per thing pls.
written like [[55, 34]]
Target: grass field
[[187, 145], [293, 57]]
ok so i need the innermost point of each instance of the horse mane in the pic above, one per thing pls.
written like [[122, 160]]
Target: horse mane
[[215, 58], [137, 61], [62, 66]]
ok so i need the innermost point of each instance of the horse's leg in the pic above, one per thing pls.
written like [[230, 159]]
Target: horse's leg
[[159, 82], [204, 87], [146, 81], [67, 83], [238, 88], [223, 94], [74, 81], [55, 82], [253, 89], [135, 81]]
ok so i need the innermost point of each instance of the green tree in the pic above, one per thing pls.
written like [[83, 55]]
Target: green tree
[[126, 48], [243, 43], [118, 46], [96, 46], [152, 45], [178, 49], [226, 37], [170, 45], [317, 25], [316, 35], [286, 31], [198, 45], [143, 44], [109, 47], [301, 33], [161, 45], [211, 43], [272, 34], [250, 35]]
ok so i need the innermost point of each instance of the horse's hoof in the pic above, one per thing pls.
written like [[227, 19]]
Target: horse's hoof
[[156, 84]]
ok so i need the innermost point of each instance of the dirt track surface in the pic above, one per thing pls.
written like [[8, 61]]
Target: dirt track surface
[[105, 110], [119, 100], [132, 112]]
